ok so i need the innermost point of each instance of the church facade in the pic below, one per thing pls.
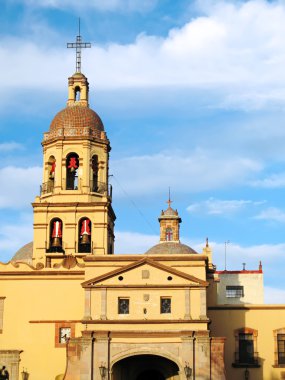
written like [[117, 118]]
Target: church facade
[[71, 309]]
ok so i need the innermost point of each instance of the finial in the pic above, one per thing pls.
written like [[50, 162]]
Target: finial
[[207, 242], [169, 200], [78, 45], [243, 266], [260, 266]]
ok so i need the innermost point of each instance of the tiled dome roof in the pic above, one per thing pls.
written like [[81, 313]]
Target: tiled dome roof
[[24, 254], [77, 118], [169, 212], [170, 248]]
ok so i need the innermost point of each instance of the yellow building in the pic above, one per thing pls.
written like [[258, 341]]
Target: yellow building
[[71, 309]]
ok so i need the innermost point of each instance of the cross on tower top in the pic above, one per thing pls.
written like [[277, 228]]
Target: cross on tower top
[[169, 200], [78, 45]]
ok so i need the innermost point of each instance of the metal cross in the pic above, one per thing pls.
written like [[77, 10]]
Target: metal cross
[[169, 200], [78, 45]]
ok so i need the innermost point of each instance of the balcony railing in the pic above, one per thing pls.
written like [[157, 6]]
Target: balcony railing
[[101, 188], [95, 187], [47, 187], [247, 361]]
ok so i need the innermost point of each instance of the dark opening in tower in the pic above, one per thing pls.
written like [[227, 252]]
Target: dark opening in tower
[[72, 165], [84, 239], [55, 238]]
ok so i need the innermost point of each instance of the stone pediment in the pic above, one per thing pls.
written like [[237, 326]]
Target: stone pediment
[[145, 272]]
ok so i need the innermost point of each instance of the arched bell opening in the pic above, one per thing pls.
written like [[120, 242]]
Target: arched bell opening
[[145, 367], [77, 93], [48, 185], [51, 173], [85, 235], [168, 234], [55, 238], [72, 165], [94, 173]]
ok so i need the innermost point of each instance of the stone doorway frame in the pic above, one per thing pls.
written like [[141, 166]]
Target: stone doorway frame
[[154, 353]]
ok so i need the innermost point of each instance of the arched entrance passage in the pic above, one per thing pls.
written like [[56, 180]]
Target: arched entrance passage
[[150, 374], [145, 367]]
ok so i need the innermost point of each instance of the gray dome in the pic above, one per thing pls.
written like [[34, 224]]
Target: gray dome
[[24, 254], [170, 248]]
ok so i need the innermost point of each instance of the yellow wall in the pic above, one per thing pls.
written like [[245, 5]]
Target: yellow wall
[[264, 319], [32, 299]]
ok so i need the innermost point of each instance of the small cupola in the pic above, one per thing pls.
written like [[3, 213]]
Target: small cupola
[[169, 224], [78, 90]]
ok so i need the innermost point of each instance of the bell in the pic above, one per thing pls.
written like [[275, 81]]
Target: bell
[[56, 242], [85, 239]]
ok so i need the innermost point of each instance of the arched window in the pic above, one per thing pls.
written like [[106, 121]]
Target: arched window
[[47, 187], [84, 240], [72, 165], [77, 93], [168, 234], [51, 173], [55, 244], [94, 174]]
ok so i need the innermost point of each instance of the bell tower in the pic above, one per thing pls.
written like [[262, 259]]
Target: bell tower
[[73, 214], [169, 221]]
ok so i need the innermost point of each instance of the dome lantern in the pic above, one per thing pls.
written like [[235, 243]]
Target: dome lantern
[[78, 90], [169, 224]]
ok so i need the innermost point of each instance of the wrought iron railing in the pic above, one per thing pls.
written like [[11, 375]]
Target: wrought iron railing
[[246, 360], [101, 188], [47, 187]]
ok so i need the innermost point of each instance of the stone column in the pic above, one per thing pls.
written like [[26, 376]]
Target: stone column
[[80, 357], [87, 312], [187, 352], [103, 303], [187, 304], [101, 354], [202, 356], [203, 304]]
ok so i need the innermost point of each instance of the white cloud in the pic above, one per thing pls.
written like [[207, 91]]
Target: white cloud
[[14, 236], [134, 242], [236, 48], [267, 252], [10, 146], [105, 5], [19, 186], [272, 214], [274, 181], [216, 206], [195, 172]]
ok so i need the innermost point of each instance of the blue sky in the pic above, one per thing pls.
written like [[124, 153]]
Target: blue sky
[[192, 96]]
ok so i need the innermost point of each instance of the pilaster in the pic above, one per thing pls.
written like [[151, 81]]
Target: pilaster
[[187, 304], [87, 312], [203, 304], [202, 356], [101, 354], [103, 303]]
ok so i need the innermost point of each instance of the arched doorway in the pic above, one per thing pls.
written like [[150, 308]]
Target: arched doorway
[[145, 367]]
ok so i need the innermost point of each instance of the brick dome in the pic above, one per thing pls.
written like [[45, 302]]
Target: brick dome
[[170, 248], [74, 120]]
